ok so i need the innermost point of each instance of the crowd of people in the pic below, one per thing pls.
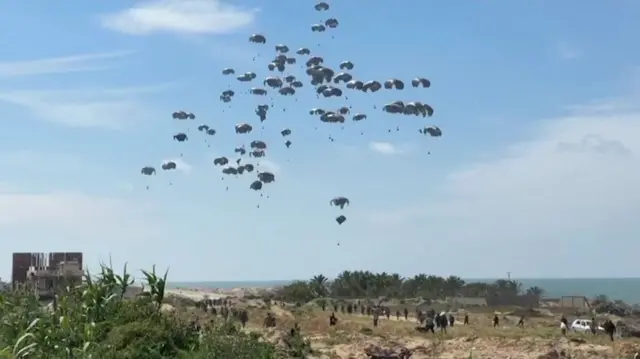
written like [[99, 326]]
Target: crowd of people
[[428, 320]]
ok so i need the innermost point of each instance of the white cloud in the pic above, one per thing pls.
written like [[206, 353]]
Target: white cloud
[[8, 188], [57, 65], [22, 159], [605, 106], [181, 165], [571, 189], [576, 173], [109, 108], [75, 214], [387, 148], [270, 166], [179, 16], [59, 210]]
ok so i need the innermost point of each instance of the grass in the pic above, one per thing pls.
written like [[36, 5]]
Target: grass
[[95, 320]]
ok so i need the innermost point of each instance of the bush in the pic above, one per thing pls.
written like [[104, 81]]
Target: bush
[[298, 291], [95, 320]]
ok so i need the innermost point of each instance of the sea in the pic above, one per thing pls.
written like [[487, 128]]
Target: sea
[[625, 289]]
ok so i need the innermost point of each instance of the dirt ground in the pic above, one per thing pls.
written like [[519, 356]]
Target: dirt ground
[[354, 332]]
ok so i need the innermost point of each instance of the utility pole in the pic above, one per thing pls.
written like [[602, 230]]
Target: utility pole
[[508, 275]]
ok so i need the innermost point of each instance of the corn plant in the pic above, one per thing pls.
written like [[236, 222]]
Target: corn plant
[[95, 320]]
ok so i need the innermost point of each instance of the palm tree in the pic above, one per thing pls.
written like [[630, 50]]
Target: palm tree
[[319, 285], [366, 284]]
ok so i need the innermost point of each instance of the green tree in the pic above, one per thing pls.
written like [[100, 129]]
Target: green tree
[[319, 285], [535, 290], [366, 284]]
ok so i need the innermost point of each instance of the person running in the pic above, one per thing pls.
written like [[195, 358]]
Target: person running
[[609, 328]]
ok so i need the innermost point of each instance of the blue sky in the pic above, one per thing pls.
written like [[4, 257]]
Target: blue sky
[[536, 172]]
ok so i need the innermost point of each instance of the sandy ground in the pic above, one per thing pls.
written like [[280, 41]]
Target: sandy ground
[[540, 339], [195, 294], [215, 293]]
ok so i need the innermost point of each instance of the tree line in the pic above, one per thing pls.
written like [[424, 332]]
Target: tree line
[[366, 284]]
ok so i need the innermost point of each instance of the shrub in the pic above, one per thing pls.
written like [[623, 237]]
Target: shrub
[[95, 320]]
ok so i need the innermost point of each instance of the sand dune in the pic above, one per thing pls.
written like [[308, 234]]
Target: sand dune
[[215, 293]]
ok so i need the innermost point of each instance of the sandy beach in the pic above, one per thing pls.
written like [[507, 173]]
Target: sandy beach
[[215, 293]]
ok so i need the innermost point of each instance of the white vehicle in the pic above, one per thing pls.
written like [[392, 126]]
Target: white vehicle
[[583, 325]]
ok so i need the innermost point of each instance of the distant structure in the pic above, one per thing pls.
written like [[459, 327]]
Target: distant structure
[[513, 299], [42, 271], [466, 302], [496, 300], [575, 302]]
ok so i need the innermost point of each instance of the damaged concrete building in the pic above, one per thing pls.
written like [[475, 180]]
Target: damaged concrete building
[[43, 272]]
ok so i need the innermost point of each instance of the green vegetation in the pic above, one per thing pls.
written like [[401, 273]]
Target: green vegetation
[[365, 284], [96, 320]]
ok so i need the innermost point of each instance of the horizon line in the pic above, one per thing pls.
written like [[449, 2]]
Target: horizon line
[[482, 279]]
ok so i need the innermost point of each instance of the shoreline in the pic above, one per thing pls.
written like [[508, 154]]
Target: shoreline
[[200, 293], [625, 289]]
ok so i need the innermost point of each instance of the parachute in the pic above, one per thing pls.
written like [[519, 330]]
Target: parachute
[[293, 75]]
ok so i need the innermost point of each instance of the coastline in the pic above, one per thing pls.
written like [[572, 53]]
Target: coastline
[[199, 293], [228, 285], [625, 289]]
